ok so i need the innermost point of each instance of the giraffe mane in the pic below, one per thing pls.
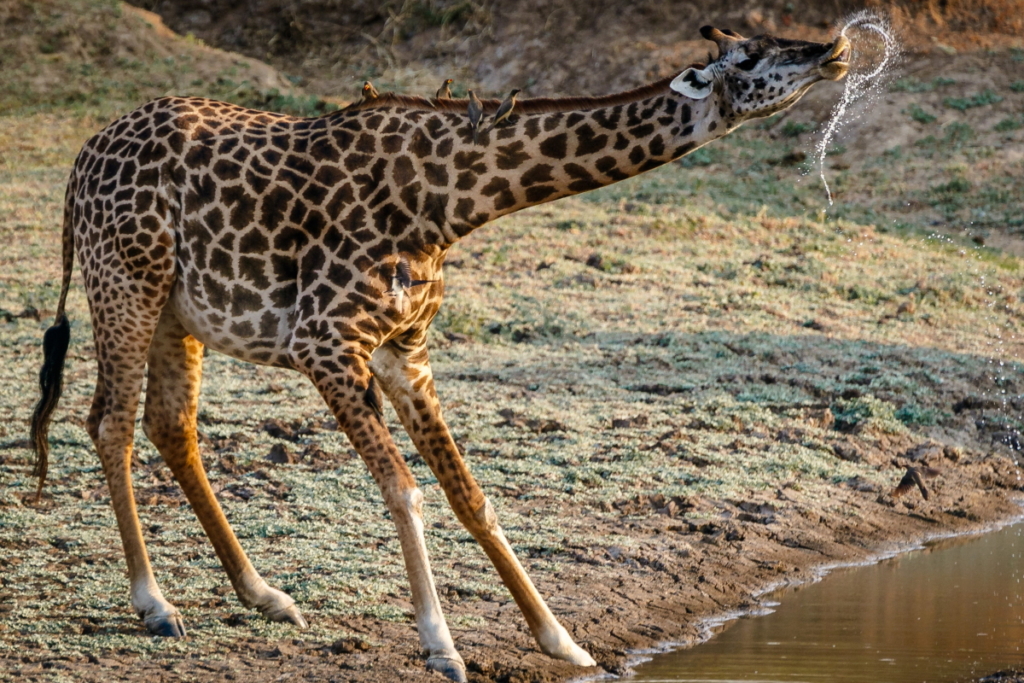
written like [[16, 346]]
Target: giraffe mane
[[537, 105]]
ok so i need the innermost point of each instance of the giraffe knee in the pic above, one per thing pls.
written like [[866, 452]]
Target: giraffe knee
[[108, 427], [150, 427], [92, 427], [95, 419], [414, 502], [161, 431], [484, 519]]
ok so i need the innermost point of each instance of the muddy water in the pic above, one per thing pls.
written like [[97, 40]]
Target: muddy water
[[945, 613]]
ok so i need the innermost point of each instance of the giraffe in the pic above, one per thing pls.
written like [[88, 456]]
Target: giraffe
[[317, 244]]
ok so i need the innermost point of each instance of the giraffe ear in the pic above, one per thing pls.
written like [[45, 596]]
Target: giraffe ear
[[695, 84]]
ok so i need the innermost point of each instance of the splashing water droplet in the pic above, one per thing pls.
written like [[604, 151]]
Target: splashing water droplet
[[859, 85]]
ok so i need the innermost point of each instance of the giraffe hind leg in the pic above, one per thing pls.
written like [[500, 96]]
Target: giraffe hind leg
[[172, 400], [121, 343]]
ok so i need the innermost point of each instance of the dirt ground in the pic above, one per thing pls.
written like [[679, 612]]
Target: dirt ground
[[678, 391], [653, 464], [615, 601]]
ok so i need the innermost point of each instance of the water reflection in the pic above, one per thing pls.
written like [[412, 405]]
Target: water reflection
[[942, 614]]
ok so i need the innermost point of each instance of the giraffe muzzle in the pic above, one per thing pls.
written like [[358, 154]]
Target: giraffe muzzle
[[837, 62]]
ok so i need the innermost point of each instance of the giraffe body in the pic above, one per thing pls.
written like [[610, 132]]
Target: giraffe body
[[317, 245]]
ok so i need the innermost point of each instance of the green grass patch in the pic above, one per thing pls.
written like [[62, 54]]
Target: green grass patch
[[950, 197], [919, 114], [917, 416], [957, 134], [865, 414], [705, 156], [955, 186], [274, 100], [792, 129], [984, 98], [1012, 123], [912, 84]]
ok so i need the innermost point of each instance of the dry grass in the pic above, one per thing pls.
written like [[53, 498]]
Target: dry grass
[[104, 57]]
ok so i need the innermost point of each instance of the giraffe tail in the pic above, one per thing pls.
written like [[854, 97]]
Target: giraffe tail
[[55, 349]]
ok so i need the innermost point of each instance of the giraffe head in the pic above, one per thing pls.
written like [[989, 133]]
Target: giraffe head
[[759, 76]]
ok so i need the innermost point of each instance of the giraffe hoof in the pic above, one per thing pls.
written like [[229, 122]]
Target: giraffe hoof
[[581, 657], [558, 644], [574, 654], [166, 625], [452, 669], [290, 614]]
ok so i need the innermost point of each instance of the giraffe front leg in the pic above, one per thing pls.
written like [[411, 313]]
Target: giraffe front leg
[[435, 638], [406, 377], [352, 397]]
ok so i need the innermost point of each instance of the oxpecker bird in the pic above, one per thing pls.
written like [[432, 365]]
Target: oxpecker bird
[[476, 110], [504, 109], [401, 283], [445, 91], [369, 92]]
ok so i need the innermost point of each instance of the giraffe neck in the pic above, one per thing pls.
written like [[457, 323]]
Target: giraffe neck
[[540, 157]]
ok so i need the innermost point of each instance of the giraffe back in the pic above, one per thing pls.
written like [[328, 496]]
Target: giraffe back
[[278, 229]]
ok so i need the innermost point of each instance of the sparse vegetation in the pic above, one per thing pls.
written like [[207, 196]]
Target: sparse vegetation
[[794, 129], [913, 85], [916, 416], [1012, 123], [955, 137], [920, 115], [867, 414], [949, 197], [985, 97]]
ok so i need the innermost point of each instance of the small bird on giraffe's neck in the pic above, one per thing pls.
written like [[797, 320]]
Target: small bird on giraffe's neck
[[369, 92], [445, 91], [504, 109], [475, 111]]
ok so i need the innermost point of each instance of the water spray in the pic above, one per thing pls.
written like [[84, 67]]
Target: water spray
[[858, 85]]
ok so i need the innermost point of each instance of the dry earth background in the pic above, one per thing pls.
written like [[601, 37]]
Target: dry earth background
[[676, 390]]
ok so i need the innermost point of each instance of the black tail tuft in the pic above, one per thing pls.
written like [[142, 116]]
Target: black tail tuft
[[51, 381]]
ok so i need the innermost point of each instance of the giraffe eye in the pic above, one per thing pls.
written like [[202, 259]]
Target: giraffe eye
[[749, 63]]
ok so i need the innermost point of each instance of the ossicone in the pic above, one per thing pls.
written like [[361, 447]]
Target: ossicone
[[723, 39]]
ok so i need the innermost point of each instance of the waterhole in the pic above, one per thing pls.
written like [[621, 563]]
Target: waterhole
[[942, 614]]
